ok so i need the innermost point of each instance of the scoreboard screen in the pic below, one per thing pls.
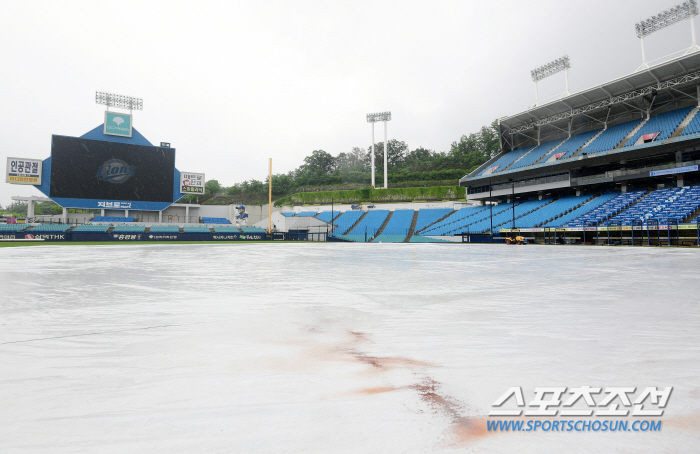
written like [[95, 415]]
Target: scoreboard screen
[[94, 169]]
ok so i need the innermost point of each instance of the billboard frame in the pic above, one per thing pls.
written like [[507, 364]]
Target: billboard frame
[[32, 183], [131, 125], [182, 179]]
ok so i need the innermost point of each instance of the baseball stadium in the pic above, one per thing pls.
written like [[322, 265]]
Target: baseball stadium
[[540, 300], [614, 164]]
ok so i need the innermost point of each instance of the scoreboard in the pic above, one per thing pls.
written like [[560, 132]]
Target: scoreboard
[[99, 174]]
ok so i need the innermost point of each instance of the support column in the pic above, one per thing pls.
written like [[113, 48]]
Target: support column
[[623, 187], [540, 195], [126, 213], [160, 217], [679, 181], [65, 216], [102, 212], [30, 208], [187, 213], [578, 192], [386, 153]]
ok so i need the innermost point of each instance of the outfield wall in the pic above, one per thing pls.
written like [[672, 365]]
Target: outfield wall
[[119, 237]]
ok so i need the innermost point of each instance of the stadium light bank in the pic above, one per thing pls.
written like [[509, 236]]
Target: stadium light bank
[[119, 101], [373, 118], [686, 10], [544, 71]]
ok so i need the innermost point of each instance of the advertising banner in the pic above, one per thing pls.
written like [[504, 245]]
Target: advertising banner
[[650, 137], [191, 183], [23, 171], [117, 124], [655, 173], [120, 237]]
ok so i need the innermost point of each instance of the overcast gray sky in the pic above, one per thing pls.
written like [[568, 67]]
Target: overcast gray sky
[[230, 84]]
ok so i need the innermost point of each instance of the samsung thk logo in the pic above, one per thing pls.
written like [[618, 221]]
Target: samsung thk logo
[[115, 171]]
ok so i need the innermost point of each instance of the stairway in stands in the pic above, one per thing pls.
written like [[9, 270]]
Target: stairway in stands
[[433, 223], [567, 212], [521, 157], [588, 143], [357, 222], [522, 215], [681, 127], [626, 208], [551, 153], [413, 226], [381, 227], [692, 216], [632, 133]]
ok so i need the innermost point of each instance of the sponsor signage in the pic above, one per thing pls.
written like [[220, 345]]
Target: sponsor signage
[[650, 137], [559, 155], [191, 183], [160, 237], [656, 173], [23, 171], [123, 237], [44, 236], [117, 124]]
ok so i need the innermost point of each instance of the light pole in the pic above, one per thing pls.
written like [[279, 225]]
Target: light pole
[[373, 118], [558, 65], [685, 10]]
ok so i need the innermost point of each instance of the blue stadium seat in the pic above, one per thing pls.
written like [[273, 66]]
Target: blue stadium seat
[[164, 229], [535, 154], [662, 205], [195, 229], [610, 138], [100, 228], [399, 223], [12, 227], [371, 223], [346, 220], [51, 228], [130, 229], [325, 216], [664, 123], [559, 209], [428, 216]]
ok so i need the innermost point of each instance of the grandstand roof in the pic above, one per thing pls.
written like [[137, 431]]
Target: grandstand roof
[[135, 139], [669, 81]]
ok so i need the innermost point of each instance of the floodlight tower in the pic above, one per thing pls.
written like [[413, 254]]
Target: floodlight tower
[[558, 65], [373, 118], [686, 10], [120, 101]]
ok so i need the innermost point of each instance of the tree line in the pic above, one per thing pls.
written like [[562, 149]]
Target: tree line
[[320, 168]]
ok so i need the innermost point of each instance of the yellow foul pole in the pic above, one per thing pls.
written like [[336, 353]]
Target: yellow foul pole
[[269, 205]]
